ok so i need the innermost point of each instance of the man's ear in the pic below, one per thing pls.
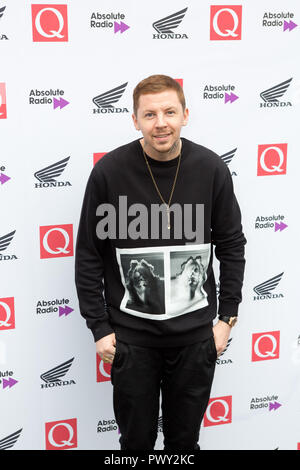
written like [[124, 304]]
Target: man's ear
[[185, 117], [135, 122]]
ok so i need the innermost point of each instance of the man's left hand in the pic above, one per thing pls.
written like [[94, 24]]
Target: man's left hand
[[221, 332]]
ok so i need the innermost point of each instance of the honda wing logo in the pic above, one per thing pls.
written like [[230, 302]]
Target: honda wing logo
[[105, 102], [167, 24], [2, 11], [9, 441], [47, 175], [264, 290], [272, 94], [54, 375], [107, 99], [266, 287], [5, 240], [227, 157], [227, 346]]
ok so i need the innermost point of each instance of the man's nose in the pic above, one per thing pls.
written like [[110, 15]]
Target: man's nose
[[160, 120]]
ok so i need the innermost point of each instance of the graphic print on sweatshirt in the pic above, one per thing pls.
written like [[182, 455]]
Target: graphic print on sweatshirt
[[163, 282]]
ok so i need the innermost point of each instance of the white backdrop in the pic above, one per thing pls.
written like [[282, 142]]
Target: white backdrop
[[255, 396]]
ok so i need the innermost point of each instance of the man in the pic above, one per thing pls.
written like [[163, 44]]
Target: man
[[152, 211]]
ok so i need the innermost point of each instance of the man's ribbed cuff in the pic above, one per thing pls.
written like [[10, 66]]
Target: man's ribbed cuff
[[102, 330], [229, 309]]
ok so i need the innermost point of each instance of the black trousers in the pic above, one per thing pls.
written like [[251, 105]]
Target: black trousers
[[183, 374]]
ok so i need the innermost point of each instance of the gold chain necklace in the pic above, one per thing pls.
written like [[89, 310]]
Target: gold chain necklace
[[158, 191]]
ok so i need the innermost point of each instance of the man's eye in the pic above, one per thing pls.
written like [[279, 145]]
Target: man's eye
[[149, 115], [171, 112]]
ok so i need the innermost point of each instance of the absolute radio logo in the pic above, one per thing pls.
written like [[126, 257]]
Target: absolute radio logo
[[264, 290], [56, 241], [47, 176], [280, 20], [272, 159], [59, 306], [106, 425], [106, 101], [109, 21], [103, 370], [218, 411], [227, 157], [7, 313], [9, 441], [51, 96], [265, 346], [3, 178], [5, 241], [3, 108], [274, 222], [2, 36], [49, 23], [226, 22], [53, 377], [269, 401], [220, 92], [270, 97], [61, 435], [164, 27], [7, 380]]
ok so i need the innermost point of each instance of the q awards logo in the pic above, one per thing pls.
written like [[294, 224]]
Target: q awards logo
[[105, 102], [49, 23], [56, 241], [3, 111], [103, 370], [61, 435], [165, 26], [97, 156], [265, 346], [218, 411], [7, 313], [272, 159], [225, 22]]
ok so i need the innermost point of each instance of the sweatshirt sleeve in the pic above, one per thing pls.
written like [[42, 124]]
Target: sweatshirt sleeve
[[229, 240], [89, 263]]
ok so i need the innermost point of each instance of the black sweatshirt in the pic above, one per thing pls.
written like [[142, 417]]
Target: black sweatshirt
[[151, 285]]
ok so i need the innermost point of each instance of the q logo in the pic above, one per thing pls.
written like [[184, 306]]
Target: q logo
[[103, 370], [3, 114], [225, 22], [272, 159], [49, 23], [61, 435], [56, 241], [218, 411], [7, 313], [265, 346]]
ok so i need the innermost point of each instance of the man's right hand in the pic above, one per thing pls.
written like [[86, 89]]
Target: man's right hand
[[106, 348]]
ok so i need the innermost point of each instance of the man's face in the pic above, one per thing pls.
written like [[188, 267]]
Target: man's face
[[160, 117]]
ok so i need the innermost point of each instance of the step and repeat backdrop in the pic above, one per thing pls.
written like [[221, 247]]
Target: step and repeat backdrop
[[239, 67]]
